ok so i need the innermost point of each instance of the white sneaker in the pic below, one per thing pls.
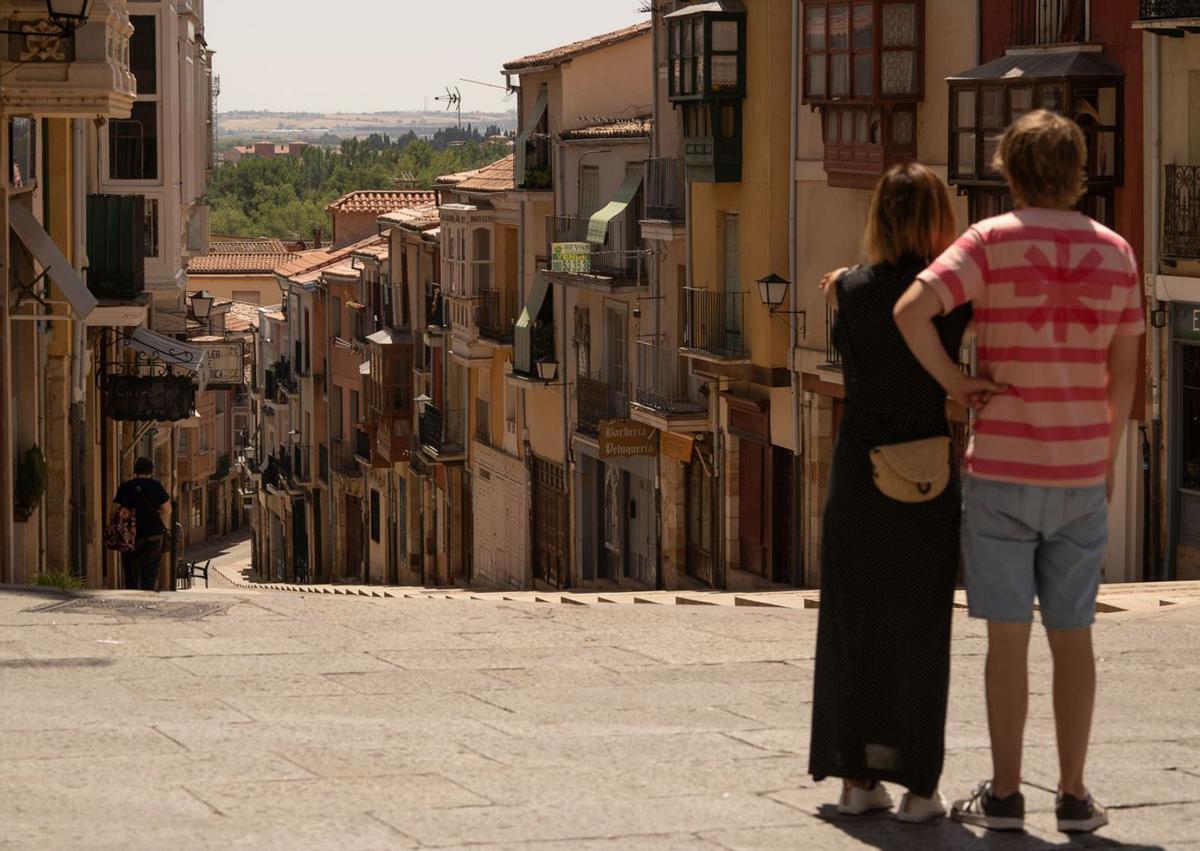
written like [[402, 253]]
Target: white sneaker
[[855, 801], [917, 810]]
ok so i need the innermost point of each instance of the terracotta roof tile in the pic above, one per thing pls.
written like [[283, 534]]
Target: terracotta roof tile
[[308, 265], [558, 55], [616, 128], [414, 218], [493, 177], [239, 245], [380, 201], [237, 264]]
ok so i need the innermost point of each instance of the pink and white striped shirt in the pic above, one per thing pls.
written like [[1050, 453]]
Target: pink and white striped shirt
[[1051, 289]]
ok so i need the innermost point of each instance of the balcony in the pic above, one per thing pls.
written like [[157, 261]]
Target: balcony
[[1167, 10], [833, 356], [598, 400], [196, 466], [442, 433], [87, 76], [714, 325], [435, 309], [362, 445], [1181, 216], [1044, 23], [666, 191], [342, 457], [224, 465], [663, 384], [297, 465], [619, 261], [497, 314]]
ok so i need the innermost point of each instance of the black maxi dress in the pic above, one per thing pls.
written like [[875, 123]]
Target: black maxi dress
[[888, 568]]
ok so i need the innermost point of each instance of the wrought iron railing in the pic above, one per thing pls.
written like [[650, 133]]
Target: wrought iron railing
[[714, 323], [442, 431], [598, 400], [362, 445], [1037, 23], [342, 457], [539, 173], [435, 307], [666, 190], [833, 355], [1181, 218], [662, 381], [1156, 10], [497, 314], [620, 257]]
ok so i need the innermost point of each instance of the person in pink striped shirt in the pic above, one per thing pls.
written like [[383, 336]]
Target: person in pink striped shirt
[[1058, 313]]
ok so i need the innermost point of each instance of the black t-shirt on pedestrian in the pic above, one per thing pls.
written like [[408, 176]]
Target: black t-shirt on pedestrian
[[145, 497]]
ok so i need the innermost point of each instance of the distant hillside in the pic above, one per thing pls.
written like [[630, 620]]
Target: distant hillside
[[306, 126]]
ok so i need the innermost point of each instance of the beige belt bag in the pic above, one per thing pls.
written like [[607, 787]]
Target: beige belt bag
[[913, 472]]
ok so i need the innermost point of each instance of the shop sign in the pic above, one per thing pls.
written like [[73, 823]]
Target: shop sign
[[224, 364], [150, 398], [677, 446], [627, 439], [571, 257]]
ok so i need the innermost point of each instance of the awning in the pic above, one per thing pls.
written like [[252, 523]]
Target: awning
[[523, 338], [167, 349], [1042, 66], [390, 337], [710, 7], [364, 368], [30, 231], [354, 305], [598, 224], [535, 118]]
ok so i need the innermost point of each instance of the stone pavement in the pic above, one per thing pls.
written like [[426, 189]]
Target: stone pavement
[[260, 719]]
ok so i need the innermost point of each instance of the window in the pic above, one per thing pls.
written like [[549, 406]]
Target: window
[[335, 316], [706, 52], [481, 258], [337, 412], [183, 446], [220, 401], [375, 516], [197, 509], [863, 70], [247, 296], [203, 432], [22, 147], [355, 416], [133, 141], [589, 191]]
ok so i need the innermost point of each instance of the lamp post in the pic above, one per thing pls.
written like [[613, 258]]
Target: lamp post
[[202, 304], [65, 16], [547, 369], [773, 290]]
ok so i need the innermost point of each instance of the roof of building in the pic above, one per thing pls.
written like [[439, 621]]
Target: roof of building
[[419, 218], [242, 317], [1035, 66], [308, 265], [493, 177], [238, 264], [246, 245], [379, 201], [567, 52], [614, 128]]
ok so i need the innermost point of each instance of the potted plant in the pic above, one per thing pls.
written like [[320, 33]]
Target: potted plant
[[30, 485]]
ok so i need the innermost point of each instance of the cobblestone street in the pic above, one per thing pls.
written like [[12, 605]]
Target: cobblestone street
[[251, 718]]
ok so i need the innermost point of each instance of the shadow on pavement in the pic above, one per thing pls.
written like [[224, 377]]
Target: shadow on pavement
[[885, 832]]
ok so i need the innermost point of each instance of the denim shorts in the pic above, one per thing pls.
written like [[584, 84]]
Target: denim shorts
[[1022, 540]]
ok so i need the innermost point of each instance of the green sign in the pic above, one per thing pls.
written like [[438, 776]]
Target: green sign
[[571, 257]]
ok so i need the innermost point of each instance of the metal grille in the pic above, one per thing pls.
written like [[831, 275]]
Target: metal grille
[[713, 323], [833, 357], [599, 400], [662, 383], [666, 190], [1046, 22], [1181, 220]]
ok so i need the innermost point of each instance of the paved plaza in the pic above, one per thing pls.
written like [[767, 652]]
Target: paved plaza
[[236, 717]]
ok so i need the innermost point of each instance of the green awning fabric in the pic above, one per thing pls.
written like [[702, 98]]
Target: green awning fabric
[[523, 339], [539, 110], [598, 224]]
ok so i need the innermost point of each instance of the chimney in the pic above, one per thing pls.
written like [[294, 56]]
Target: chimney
[[317, 238]]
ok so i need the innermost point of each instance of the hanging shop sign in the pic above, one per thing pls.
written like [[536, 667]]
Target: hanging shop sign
[[677, 446], [627, 439], [224, 364], [150, 398], [571, 257]]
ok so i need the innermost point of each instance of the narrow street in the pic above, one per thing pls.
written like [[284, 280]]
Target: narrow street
[[236, 717]]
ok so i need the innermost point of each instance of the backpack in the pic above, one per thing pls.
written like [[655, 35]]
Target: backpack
[[120, 535]]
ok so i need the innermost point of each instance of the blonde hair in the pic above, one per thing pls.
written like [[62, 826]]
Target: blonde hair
[[910, 216], [1043, 155]]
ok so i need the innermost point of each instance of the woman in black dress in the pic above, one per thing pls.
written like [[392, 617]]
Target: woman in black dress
[[888, 567]]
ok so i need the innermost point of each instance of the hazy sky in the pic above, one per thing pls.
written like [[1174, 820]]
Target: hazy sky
[[377, 55]]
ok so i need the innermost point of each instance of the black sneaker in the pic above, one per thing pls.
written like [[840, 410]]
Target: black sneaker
[[1080, 815], [983, 809]]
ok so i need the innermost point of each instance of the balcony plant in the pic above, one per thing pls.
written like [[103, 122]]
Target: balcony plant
[[31, 481]]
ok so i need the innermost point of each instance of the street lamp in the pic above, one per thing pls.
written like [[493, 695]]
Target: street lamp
[[423, 402], [202, 304], [547, 368], [294, 437], [65, 16], [773, 290]]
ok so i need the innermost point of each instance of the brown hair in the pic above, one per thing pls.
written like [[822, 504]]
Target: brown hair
[[910, 216], [1043, 156]]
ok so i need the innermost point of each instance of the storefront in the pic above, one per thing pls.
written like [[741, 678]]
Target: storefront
[[1183, 465], [617, 514]]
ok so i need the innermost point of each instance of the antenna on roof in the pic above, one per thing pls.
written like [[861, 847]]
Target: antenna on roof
[[510, 91], [453, 100]]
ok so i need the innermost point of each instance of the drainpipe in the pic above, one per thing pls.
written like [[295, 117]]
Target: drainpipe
[[568, 528], [330, 502], [1157, 568], [78, 370], [797, 451], [526, 581]]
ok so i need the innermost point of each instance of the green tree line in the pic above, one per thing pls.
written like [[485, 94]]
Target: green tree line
[[285, 197]]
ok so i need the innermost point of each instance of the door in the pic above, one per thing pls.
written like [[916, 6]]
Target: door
[[642, 513], [782, 528], [299, 541], [700, 498], [753, 502], [615, 563], [549, 523], [354, 537], [616, 355]]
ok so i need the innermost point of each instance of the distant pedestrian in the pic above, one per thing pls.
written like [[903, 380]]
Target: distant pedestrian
[[890, 544], [1058, 308], [151, 505]]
